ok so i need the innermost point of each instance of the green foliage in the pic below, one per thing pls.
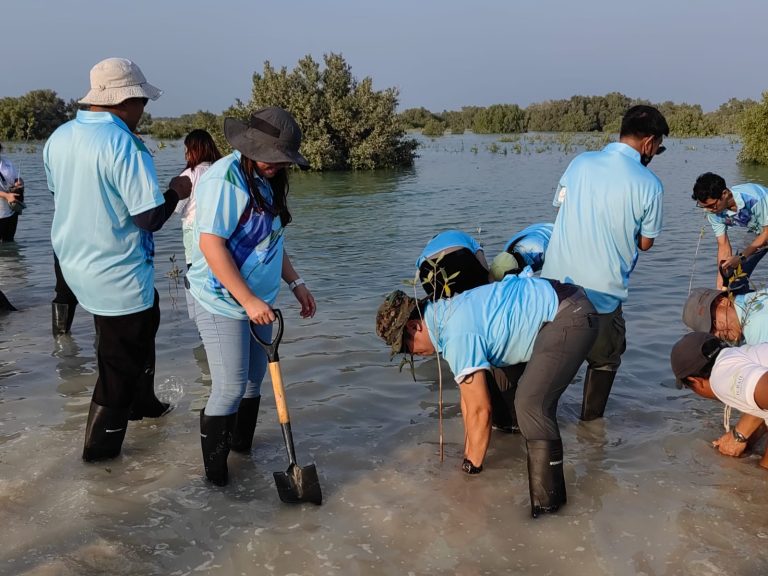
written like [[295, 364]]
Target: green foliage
[[175, 128], [578, 114], [416, 118], [346, 124], [33, 116], [499, 119], [686, 120], [754, 133], [433, 128], [727, 117]]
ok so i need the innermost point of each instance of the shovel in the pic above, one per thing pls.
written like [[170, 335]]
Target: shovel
[[297, 484]]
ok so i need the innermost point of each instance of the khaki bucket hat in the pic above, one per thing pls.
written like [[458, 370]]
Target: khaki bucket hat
[[115, 80]]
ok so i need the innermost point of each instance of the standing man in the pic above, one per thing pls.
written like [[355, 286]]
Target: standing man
[[743, 205], [107, 204], [610, 207]]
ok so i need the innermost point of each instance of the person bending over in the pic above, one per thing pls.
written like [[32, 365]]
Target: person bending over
[[545, 324], [744, 205], [705, 364]]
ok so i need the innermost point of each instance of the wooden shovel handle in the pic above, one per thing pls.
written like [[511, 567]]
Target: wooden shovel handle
[[279, 391]]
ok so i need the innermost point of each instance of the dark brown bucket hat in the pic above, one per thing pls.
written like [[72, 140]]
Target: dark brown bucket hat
[[270, 135], [392, 317]]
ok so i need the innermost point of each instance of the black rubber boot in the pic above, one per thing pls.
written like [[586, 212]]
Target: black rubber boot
[[104, 433], [597, 388], [245, 424], [62, 316], [5, 305], [215, 438], [546, 482], [145, 403]]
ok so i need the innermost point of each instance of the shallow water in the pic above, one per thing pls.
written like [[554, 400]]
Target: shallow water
[[646, 492]]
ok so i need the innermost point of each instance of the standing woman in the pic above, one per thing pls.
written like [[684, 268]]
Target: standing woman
[[200, 152], [11, 198], [237, 262]]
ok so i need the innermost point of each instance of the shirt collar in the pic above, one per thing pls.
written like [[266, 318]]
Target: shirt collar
[[90, 117], [625, 149]]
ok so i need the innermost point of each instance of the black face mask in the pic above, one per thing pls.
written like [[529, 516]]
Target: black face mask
[[645, 159]]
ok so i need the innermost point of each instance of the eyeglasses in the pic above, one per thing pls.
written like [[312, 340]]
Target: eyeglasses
[[661, 150], [712, 205]]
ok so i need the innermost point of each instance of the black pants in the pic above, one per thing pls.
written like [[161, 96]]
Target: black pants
[[125, 355], [63, 293], [8, 228]]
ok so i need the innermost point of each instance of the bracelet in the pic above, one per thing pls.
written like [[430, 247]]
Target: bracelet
[[295, 284]]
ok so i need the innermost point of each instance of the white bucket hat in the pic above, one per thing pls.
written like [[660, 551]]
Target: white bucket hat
[[116, 79]]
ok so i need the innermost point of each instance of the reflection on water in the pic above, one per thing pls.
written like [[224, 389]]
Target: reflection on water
[[646, 492]]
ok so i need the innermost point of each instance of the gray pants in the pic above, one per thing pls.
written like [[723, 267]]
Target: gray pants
[[559, 349]]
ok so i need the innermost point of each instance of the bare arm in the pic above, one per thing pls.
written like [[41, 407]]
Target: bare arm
[[223, 267], [644, 243], [761, 392], [476, 412], [724, 252], [727, 444], [301, 292]]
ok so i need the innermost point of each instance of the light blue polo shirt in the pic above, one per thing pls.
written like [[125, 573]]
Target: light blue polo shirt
[[752, 311], [492, 325], [101, 175], [606, 199], [445, 240], [531, 243], [751, 210], [254, 239]]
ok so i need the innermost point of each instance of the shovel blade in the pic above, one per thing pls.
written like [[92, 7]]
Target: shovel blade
[[299, 484]]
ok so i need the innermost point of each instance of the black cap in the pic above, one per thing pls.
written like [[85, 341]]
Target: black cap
[[692, 353]]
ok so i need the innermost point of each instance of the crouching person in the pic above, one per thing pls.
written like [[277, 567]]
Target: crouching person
[[542, 322], [737, 376]]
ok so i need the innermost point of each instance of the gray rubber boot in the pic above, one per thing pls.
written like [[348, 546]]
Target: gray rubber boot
[[546, 481]]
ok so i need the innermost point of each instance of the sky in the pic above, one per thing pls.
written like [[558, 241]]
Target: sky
[[441, 55]]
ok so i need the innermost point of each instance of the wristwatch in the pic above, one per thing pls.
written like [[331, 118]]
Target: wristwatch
[[295, 284], [738, 436]]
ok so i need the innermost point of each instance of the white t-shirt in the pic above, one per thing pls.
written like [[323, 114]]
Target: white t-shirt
[[186, 208], [735, 375], [9, 176]]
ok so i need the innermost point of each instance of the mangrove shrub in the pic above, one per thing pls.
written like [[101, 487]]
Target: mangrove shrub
[[754, 133], [346, 124]]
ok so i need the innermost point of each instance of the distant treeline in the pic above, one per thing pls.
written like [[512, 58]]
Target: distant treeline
[[370, 133], [576, 114]]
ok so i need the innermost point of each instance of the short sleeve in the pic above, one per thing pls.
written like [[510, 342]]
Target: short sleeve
[[735, 378], [652, 219], [135, 178], [465, 354], [219, 206], [718, 224]]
